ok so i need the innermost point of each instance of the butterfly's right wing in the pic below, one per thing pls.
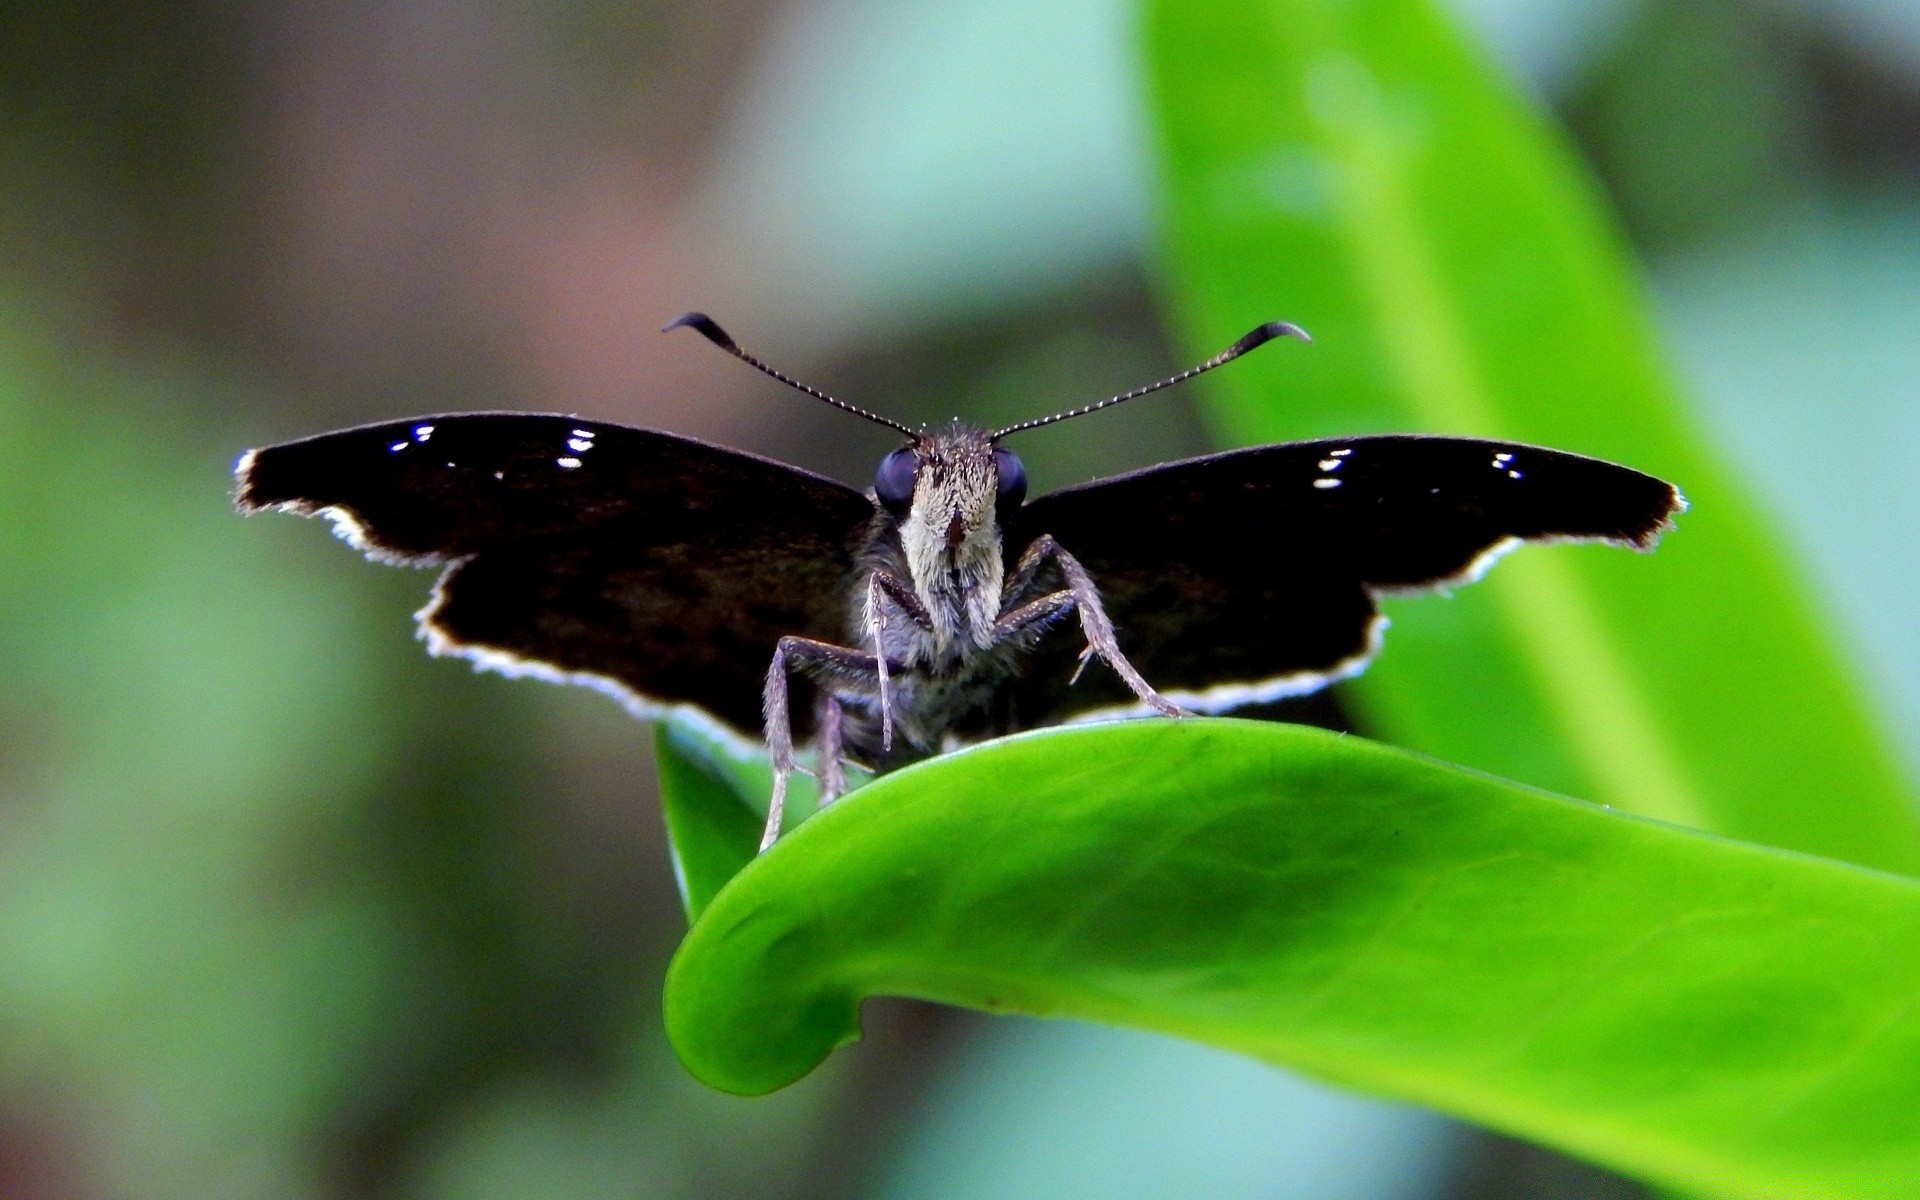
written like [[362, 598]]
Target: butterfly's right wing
[[587, 552], [1252, 575]]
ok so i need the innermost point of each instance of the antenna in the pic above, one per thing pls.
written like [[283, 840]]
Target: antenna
[[710, 329], [1253, 341]]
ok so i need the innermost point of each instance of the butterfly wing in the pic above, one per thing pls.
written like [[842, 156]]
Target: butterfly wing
[[1251, 575], [584, 551]]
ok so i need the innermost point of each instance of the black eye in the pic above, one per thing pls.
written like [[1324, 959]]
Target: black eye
[[1013, 478], [893, 482]]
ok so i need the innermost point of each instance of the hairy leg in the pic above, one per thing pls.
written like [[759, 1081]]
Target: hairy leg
[[818, 659], [883, 586], [1080, 594], [833, 749], [901, 592], [1033, 616]]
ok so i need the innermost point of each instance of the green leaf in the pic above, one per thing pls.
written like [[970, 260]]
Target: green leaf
[[1355, 167], [1734, 1019], [711, 830], [714, 791]]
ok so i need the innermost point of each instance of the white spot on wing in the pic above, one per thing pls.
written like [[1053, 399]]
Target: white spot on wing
[[1340, 453], [397, 447], [579, 444], [570, 464], [1329, 464], [1326, 483], [422, 432]]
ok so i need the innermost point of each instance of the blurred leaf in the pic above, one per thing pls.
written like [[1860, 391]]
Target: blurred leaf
[[1722, 1016], [1356, 168], [1845, 279], [193, 723], [1704, 118]]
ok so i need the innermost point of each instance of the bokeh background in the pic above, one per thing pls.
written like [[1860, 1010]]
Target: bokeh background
[[289, 910]]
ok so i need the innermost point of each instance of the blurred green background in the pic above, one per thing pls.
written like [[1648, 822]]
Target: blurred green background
[[289, 910]]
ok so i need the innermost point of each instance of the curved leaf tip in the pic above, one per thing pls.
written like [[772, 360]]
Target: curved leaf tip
[[1682, 1007]]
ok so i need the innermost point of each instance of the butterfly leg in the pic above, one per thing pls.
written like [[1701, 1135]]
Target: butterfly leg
[[817, 658], [1033, 616], [882, 586], [1093, 615], [833, 750]]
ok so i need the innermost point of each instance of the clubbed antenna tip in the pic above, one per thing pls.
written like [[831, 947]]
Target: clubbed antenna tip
[[1253, 340], [705, 326], [710, 329]]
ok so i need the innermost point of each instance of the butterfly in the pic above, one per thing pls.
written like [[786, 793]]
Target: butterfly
[[928, 611]]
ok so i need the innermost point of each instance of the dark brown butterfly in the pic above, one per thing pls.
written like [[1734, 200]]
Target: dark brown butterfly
[[672, 572]]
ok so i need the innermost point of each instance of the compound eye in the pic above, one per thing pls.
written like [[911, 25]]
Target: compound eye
[[893, 482], [1013, 478]]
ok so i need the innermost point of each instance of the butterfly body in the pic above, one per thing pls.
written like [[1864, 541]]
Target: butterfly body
[[939, 606], [939, 618]]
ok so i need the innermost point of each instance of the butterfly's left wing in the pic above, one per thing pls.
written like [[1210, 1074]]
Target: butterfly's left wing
[[588, 552], [1249, 576]]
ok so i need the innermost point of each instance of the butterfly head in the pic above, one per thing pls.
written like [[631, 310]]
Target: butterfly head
[[961, 474], [948, 494]]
